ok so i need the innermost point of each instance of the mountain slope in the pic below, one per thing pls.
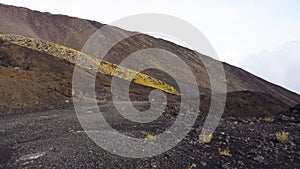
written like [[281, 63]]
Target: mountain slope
[[76, 31]]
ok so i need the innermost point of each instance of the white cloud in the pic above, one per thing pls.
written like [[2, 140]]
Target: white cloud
[[280, 65]]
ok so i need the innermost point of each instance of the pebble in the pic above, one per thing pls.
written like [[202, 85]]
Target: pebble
[[225, 166], [32, 156], [260, 159], [203, 163]]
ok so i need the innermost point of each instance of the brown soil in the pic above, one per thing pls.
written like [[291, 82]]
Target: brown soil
[[31, 78]]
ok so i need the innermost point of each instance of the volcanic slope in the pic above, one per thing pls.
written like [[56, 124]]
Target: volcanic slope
[[76, 31], [243, 88]]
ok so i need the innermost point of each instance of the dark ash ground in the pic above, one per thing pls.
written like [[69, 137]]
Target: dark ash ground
[[55, 139]]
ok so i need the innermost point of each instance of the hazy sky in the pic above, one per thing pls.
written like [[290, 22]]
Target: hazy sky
[[262, 37]]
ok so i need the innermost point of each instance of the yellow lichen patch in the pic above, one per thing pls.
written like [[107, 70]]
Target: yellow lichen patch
[[88, 62]]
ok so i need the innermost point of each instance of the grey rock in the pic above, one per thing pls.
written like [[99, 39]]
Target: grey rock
[[259, 159]]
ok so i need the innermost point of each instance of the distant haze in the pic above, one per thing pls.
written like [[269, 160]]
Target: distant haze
[[262, 37], [281, 64]]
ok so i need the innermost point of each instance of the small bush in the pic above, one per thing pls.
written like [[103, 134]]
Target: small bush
[[282, 136], [206, 138], [191, 166], [150, 137], [269, 119]]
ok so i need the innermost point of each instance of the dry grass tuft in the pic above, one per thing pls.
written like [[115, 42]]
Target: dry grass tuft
[[269, 119], [282, 136], [191, 166], [225, 153], [206, 138], [150, 137]]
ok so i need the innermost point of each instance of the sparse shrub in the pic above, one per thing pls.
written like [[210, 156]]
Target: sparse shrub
[[269, 119], [191, 166], [225, 153], [206, 138], [150, 137], [282, 136]]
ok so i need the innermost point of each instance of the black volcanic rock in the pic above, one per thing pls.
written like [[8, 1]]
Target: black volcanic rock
[[292, 115]]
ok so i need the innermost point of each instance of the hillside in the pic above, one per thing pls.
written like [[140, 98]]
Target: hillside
[[76, 31], [43, 26], [41, 128]]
